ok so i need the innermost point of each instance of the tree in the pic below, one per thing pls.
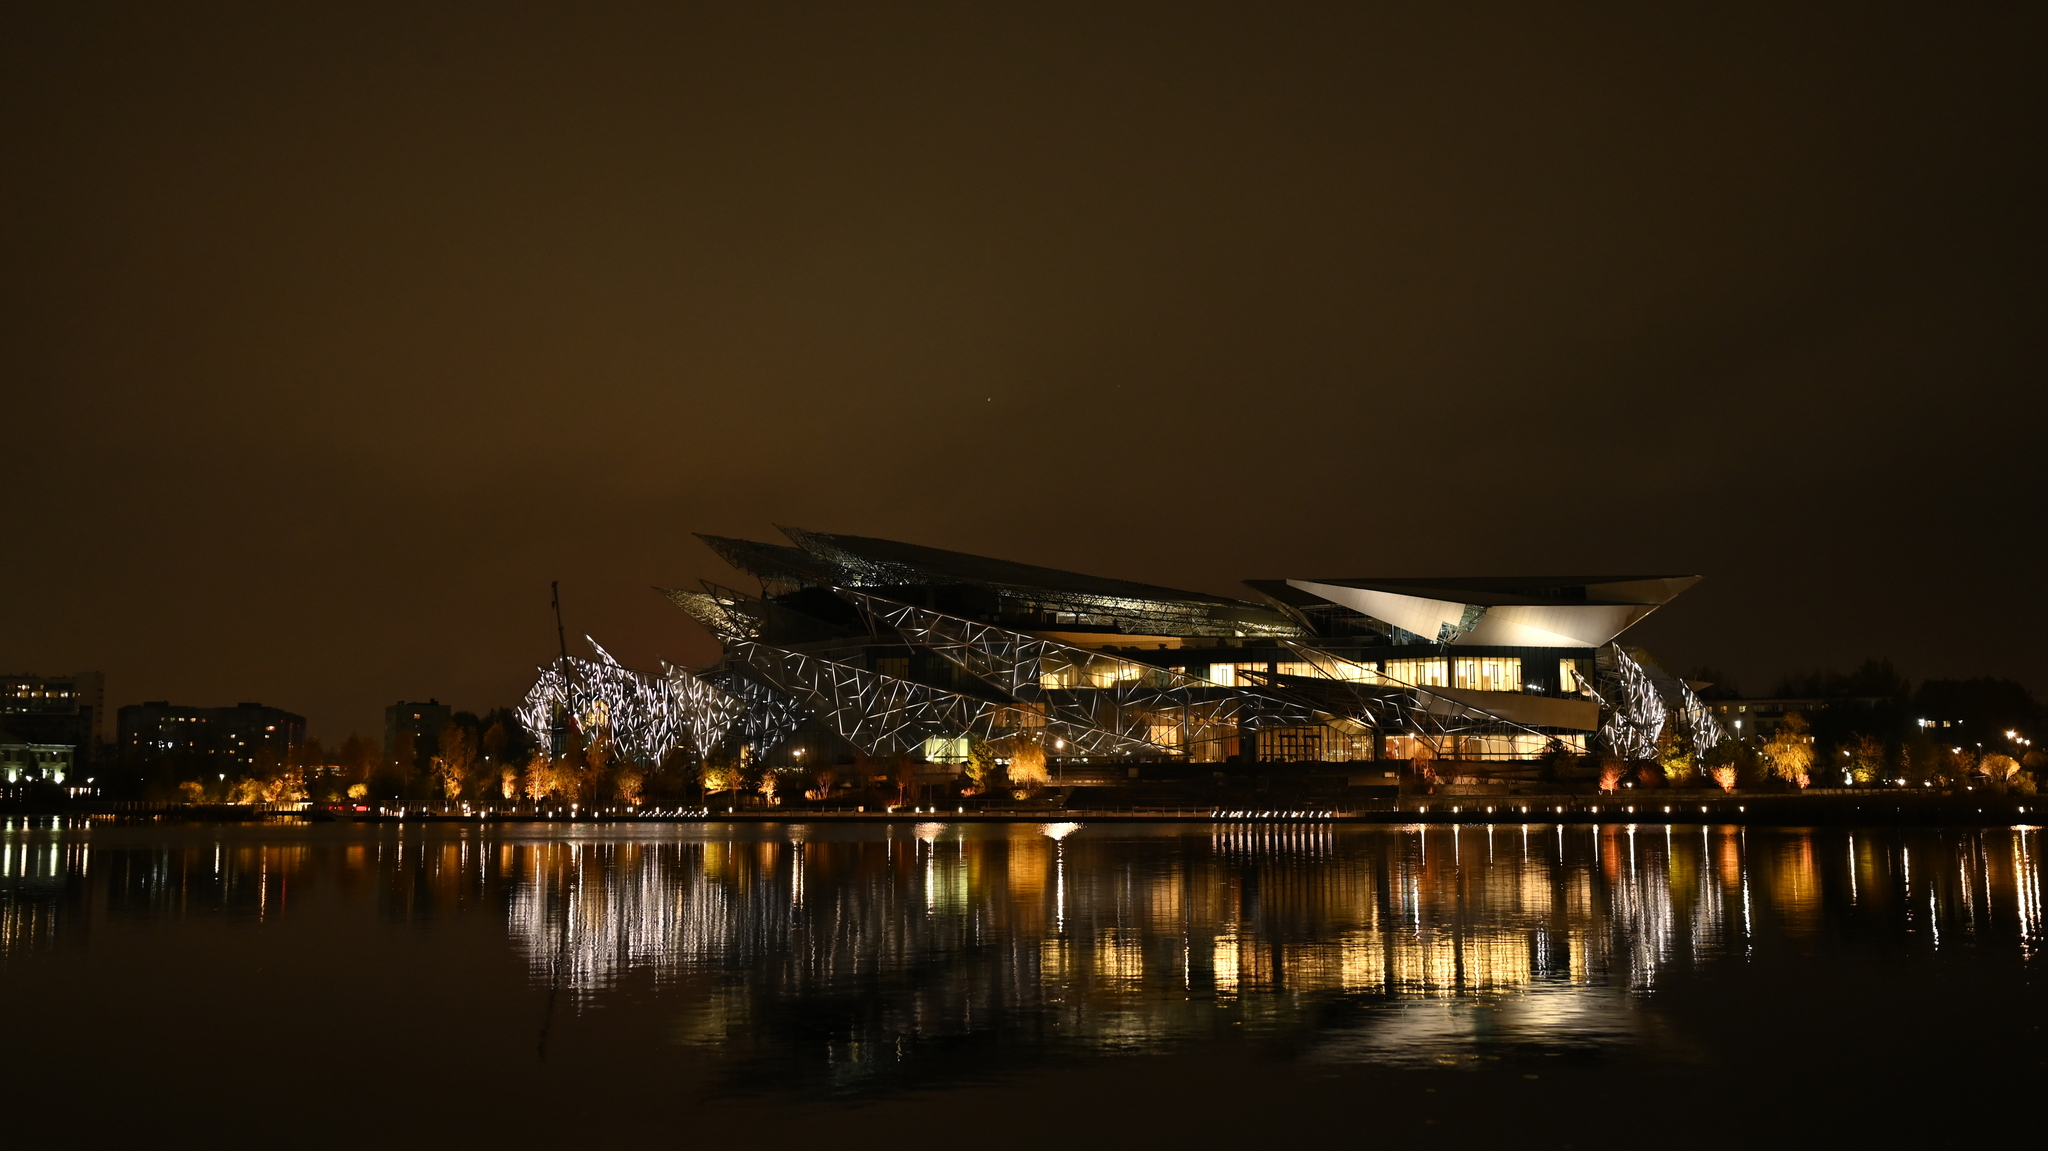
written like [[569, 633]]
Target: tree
[[307, 754], [540, 777], [496, 739], [1676, 756], [1985, 709], [1559, 761], [1712, 683], [1722, 762], [981, 766], [825, 777], [319, 777], [771, 782], [1999, 768], [288, 786], [630, 783], [1865, 760], [1955, 766], [1790, 751], [668, 779], [905, 770], [715, 775], [358, 759], [1612, 768], [1027, 765], [455, 759], [595, 771], [396, 778]]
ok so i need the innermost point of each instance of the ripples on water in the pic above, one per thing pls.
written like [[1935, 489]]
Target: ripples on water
[[856, 956]]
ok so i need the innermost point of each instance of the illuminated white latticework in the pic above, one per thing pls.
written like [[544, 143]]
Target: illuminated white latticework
[[646, 715], [1635, 711], [1102, 703], [1640, 698], [767, 716], [883, 714]]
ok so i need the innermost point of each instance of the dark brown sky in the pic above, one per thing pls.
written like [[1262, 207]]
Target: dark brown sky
[[332, 334]]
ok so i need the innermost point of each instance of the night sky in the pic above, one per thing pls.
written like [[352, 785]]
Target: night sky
[[333, 333]]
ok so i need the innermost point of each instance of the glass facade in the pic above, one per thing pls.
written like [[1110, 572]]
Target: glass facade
[[1226, 673], [1333, 668], [1420, 672], [1488, 673]]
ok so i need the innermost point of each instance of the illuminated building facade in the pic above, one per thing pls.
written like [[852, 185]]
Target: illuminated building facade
[[856, 646], [56, 711], [24, 760]]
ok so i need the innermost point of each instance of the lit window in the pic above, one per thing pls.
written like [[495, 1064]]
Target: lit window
[[1420, 672], [1226, 673], [1488, 673], [1331, 667]]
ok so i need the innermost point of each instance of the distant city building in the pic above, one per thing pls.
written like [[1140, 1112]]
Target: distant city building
[[1761, 718], [56, 710], [423, 720], [236, 737], [23, 760]]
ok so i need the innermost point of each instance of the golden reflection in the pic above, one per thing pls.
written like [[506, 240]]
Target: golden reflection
[[1119, 936], [1225, 961], [1793, 880]]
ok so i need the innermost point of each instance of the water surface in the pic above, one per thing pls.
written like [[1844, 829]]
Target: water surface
[[1017, 984]]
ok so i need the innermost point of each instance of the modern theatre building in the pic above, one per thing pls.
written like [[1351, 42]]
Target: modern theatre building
[[851, 646]]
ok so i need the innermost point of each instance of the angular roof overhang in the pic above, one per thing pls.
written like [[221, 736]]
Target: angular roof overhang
[[1539, 612]]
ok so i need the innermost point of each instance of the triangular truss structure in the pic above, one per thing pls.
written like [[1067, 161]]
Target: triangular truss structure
[[647, 716], [881, 648], [1104, 703], [1642, 698]]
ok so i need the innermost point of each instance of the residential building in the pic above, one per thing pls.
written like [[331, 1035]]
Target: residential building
[[57, 710], [238, 738], [423, 720], [1761, 718]]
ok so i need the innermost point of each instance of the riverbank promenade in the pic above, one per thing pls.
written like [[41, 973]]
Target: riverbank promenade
[[1832, 807]]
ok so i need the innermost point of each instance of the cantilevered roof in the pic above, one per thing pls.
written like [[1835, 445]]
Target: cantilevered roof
[[776, 561], [844, 561], [913, 563], [1530, 611]]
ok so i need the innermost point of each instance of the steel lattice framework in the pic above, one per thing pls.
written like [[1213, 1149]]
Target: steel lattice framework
[[1635, 709], [1696, 719], [647, 716], [1641, 698], [883, 714], [768, 717], [795, 653], [1106, 702], [721, 611]]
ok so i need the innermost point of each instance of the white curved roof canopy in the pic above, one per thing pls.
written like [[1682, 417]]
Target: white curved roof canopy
[[1504, 613]]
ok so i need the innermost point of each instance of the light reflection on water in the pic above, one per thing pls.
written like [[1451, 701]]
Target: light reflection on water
[[853, 953]]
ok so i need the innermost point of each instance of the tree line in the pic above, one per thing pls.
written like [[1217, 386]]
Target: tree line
[[1863, 728]]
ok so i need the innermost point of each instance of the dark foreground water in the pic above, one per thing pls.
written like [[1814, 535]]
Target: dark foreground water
[[1018, 985]]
